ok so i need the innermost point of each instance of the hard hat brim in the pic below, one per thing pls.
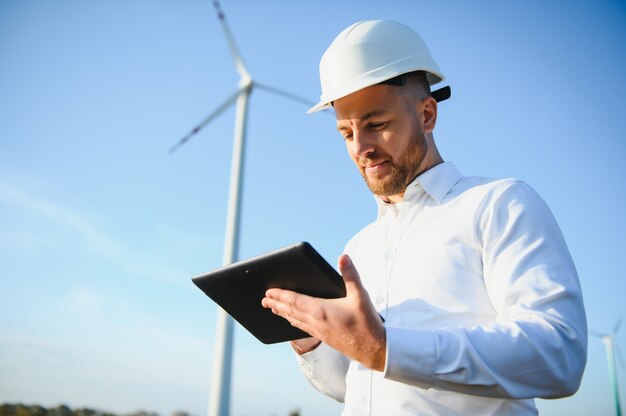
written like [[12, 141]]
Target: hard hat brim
[[433, 78]]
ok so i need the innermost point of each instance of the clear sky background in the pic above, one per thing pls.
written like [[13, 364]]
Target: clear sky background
[[101, 229]]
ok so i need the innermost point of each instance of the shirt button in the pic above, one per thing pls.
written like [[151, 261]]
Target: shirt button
[[363, 400], [390, 254]]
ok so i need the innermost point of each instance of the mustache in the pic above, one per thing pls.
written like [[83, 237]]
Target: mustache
[[375, 157]]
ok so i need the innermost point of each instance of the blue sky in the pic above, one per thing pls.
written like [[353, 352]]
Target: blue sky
[[101, 229]]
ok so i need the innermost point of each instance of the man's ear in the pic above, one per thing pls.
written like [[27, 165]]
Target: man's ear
[[427, 110]]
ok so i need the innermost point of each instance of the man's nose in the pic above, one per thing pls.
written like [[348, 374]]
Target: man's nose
[[362, 143]]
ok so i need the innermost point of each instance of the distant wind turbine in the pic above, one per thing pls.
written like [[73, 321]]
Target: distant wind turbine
[[608, 341], [219, 396]]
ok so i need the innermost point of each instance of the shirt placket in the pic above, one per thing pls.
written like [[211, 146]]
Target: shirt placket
[[394, 239], [381, 300]]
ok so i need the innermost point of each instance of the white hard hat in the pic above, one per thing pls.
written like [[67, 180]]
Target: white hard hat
[[370, 52]]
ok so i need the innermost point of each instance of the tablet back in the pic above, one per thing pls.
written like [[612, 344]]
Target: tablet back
[[239, 287]]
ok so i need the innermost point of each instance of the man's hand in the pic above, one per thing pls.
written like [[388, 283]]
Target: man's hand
[[350, 325]]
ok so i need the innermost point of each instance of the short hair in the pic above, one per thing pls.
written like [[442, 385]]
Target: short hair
[[416, 78]]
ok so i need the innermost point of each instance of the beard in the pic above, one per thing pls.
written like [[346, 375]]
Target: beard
[[403, 171]]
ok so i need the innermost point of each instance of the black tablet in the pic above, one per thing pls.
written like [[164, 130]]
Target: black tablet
[[239, 287]]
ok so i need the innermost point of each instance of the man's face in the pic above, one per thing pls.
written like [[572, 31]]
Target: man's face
[[383, 136]]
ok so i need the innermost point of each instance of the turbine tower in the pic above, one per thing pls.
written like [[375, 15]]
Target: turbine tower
[[219, 395], [608, 341]]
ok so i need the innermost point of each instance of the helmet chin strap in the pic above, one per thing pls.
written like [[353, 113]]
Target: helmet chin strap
[[441, 94]]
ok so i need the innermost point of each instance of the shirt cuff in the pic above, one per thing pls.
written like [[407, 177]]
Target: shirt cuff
[[410, 356], [318, 363], [326, 370]]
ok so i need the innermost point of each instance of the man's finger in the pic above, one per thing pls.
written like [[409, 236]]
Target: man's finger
[[290, 304], [290, 313], [288, 297]]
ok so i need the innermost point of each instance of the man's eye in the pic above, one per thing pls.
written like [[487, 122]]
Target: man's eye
[[378, 125]]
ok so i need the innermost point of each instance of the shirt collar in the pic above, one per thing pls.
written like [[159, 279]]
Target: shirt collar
[[436, 182], [439, 180]]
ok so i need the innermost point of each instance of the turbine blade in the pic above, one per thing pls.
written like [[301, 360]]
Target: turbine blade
[[286, 94], [597, 333], [234, 51], [229, 101], [617, 325]]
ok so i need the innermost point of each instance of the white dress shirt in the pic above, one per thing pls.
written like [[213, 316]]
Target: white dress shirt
[[481, 300]]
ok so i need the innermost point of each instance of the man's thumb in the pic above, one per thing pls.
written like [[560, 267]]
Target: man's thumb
[[349, 273]]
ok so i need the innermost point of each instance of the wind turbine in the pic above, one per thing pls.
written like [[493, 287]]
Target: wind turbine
[[608, 341], [219, 395]]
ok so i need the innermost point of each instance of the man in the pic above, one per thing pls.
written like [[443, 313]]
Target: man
[[462, 298]]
